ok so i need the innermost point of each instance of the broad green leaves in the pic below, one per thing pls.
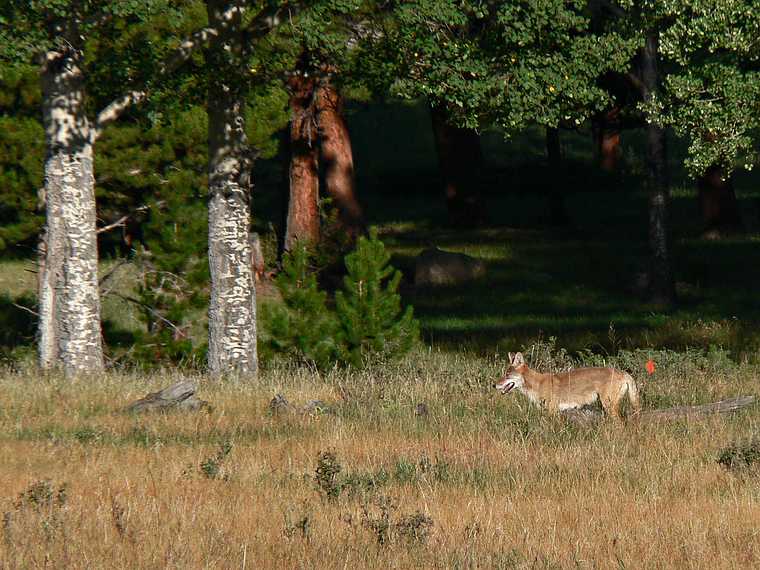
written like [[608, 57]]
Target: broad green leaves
[[504, 63], [712, 96]]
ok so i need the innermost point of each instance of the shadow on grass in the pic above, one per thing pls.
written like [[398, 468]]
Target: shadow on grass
[[578, 285]]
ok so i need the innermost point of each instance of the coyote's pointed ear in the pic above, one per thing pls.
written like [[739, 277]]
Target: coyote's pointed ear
[[511, 356], [518, 360]]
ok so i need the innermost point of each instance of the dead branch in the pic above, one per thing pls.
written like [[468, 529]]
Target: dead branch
[[178, 331], [27, 309], [722, 407], [117, 224], [727, 406]]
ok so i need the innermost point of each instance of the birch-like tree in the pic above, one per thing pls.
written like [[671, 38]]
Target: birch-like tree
[[58, 34], [232, 308], [233, 60]]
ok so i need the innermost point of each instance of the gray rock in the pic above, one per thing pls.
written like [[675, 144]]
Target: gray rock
[[435, 267], [317, 406], [279, 404], [179, 396]]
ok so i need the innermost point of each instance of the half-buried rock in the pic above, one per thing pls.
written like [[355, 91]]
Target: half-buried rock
[[179, 396], [435, 267]]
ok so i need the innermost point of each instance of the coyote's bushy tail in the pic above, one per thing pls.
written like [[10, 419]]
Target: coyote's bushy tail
[[633, 393]]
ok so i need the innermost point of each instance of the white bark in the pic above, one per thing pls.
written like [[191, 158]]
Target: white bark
[[232, 308], [69, 327]]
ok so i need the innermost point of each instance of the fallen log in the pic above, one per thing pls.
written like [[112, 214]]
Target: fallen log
[[179, 396], [586, 415], [721, 407]]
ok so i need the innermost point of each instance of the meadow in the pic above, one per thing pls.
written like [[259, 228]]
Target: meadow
[[414, 464]]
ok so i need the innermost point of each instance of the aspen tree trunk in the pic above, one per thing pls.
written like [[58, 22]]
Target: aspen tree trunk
[[302, 221], [557, 209], [717, 200], [460, 160], [662, 282], [232, 307], [337, 159], [69, 332]]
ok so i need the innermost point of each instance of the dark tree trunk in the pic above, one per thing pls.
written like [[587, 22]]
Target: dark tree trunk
[[606, 130], [662, 281], [557, 208], [717, 199], [337, 159], [302, 221], [460, 160], [232, 306], [69, 299]]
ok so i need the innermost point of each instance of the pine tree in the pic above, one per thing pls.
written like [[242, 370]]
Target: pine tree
[[372, 323], [302, 325]]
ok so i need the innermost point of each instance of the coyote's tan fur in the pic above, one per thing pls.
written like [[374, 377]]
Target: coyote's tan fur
[[574, 389]]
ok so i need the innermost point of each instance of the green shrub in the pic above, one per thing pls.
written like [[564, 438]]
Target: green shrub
[[327, 475], [740, 456], [367, 323], [372, 322], [211, 467], [301, 326]]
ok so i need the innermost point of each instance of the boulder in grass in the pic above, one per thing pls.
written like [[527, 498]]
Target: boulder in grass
[[435, 267], [317, 407], [179, 396], [279, 405]]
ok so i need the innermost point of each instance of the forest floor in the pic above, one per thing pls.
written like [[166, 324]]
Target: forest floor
[[414, 464]]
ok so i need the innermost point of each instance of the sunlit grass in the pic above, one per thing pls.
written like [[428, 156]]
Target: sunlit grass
[[501, 484]]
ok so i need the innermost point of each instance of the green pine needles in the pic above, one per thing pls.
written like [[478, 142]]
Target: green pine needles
[[301, 326], [372, 322], [367, 323]]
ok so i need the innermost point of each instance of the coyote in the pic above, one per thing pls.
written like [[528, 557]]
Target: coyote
[[568, 390]]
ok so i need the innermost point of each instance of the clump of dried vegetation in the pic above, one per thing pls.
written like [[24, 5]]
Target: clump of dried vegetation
[[478, 481]]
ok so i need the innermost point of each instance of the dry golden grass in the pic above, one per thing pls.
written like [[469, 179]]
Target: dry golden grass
[[504, 485]]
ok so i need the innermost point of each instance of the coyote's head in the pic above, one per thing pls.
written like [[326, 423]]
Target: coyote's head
[[513, 377]]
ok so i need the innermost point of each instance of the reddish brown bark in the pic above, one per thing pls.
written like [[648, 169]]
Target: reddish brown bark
[[606, 132], [717, 199], [302, 222], [337, 159], [460, 160]]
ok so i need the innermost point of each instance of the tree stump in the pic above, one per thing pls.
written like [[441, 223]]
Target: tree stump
[[179, 396]]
